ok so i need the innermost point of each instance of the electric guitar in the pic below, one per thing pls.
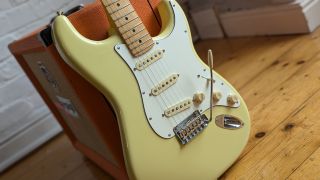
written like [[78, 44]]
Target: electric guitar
[[178, 119]]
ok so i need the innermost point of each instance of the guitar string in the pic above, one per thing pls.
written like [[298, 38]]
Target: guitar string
[[175, 94], [161, 103], [154, 84], [164, 93], [168, 92], [161, 94], [178, 87], [172, 93], [173, 118], [152, 81], [179, 95], [165, 104], [163, 98], [185, 112]]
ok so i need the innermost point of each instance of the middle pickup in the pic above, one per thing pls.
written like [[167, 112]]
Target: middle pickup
[[165, 84]]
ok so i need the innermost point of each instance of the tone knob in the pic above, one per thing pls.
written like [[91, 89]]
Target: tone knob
[[198, 98], [216, 95], [232, 99]]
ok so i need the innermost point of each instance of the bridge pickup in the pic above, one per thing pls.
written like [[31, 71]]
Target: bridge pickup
[[165, 84], [173, 110], [191, 127], [141, 65]]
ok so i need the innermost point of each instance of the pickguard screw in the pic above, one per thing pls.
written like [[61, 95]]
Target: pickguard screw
[[118, 47], [150, 119], [204, 69], [143, 93], [157, 42], [198, 76], [222, 84], [185, 31], [169, 135]]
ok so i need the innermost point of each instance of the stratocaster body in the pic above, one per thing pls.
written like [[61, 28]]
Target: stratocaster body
[[155, 95]]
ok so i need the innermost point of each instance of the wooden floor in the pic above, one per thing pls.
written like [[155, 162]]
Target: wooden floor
[[279, 78]]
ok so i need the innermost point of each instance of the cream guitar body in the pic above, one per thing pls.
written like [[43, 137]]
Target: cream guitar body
[[162, 100]]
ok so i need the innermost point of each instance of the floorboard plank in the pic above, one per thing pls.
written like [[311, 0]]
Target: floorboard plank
[[226, 49], [248, 65], [286, 148], [309, 170], [270, 115], [51, 161], [289, 63]]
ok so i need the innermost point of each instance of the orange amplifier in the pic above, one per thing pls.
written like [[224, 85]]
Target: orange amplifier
[[82, 111]]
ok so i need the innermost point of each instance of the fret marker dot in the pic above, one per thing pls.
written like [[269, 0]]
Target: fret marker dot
[[118, 4], [126, 18], [140, 41], [133, 30]]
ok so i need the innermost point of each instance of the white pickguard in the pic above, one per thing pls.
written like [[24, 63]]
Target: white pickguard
[[178, 58]]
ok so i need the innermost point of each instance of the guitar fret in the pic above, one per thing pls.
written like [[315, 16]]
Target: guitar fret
[[117, 6], [126, 19], [121, 13], [133, 31], [137, 25], [109, 2], [123, 29], [137, 37], [139, 42], [146, 48], [129, 25]]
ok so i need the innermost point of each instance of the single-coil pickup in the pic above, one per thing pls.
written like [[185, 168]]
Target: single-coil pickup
[[173, 110], [141, 65], [163, 85]]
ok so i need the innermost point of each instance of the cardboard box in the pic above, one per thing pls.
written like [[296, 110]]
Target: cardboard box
[[206, 23], [285, 18]]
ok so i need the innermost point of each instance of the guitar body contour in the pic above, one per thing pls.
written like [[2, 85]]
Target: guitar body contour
[[150, 149]]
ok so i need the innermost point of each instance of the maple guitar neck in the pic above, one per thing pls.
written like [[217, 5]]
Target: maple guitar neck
[[130, 26]]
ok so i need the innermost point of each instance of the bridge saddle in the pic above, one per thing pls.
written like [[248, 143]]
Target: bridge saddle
[[191, 127]]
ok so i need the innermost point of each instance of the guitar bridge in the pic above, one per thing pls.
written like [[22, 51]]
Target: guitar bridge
[[191, 127]]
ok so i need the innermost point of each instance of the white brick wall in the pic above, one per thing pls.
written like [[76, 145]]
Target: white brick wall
[[20, 104]]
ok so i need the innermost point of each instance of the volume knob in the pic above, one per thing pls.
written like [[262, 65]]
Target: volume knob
[[216, 95], [232, 99], [198, 98]]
